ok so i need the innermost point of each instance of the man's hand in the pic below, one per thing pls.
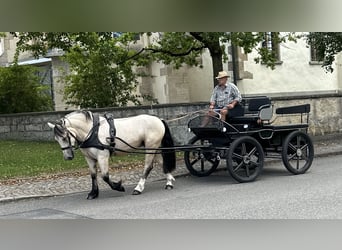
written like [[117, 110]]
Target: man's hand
[[230, 106]]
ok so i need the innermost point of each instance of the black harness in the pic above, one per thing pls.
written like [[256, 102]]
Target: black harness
[[93, 139]]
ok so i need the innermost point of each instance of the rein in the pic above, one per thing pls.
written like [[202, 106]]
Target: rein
[[188, 114]]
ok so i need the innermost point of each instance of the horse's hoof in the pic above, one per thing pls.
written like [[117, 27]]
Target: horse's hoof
[[168, 187], [92, 196], [136, 192], [120, 189]]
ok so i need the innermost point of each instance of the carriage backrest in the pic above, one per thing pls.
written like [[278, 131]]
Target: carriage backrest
[[303, 110], [255, 109], [255, 104], [298, 109]]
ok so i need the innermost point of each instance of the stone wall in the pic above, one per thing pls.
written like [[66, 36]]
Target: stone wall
[[33, 126], [325, 118]]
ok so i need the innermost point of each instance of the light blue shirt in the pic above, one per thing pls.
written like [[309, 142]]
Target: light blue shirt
[[223, 96]]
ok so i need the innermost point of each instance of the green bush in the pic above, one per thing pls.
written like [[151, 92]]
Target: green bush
[[20, 91]]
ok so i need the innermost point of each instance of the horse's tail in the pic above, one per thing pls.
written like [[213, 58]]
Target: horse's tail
[[169, 155]]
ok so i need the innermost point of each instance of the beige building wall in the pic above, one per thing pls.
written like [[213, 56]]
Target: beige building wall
[[186, 84], [294, 75], [7, 51]]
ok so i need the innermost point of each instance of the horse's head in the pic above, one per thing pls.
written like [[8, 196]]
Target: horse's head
[[65, 138], [71, 130]]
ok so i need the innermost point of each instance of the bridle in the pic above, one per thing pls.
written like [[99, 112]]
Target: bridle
[[62, 131]]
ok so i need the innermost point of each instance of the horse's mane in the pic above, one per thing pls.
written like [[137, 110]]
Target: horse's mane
[[86, 113]]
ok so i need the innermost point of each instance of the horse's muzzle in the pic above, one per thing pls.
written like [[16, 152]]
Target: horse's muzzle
[[68, 154], [69, 158]]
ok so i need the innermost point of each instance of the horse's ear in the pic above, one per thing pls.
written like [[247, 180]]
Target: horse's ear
[[51, 125]]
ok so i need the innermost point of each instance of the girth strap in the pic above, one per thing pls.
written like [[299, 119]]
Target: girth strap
[[112, 130]]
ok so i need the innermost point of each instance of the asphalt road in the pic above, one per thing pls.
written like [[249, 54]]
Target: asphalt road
[[276, 194]]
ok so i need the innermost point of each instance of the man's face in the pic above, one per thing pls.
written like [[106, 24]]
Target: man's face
[[222, 81]]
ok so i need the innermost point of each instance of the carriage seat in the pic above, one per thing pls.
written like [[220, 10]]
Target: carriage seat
[[255, 109]]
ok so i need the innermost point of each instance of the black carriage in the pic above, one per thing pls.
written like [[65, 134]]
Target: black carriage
[[247, 138]]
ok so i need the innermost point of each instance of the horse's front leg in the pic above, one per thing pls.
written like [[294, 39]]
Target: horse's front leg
[[94, 193], [103, 163]]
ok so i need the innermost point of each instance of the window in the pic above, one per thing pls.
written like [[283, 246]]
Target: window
[[118, 34], [271, 43], [315, 56]]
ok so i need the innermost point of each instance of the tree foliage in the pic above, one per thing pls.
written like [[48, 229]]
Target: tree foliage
[[100, 81], [327, 46], [101, 65], [21, 91]]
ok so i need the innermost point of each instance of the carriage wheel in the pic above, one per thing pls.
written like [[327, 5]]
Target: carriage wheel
[[201, 162], [245, 159], [298, 152]]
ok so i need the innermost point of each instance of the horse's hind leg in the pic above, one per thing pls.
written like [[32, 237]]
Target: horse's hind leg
[[147, 169], [169, 177], [169, 180]]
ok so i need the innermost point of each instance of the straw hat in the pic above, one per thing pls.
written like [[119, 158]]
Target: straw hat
[[222, 74]]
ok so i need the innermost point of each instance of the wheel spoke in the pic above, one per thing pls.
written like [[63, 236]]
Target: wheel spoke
[[298, 141], [292, 146], [194, 161], [202, 165], [305, 146], [290, 157], [247, 170], [235, 155], [252, 152], [243, 148], [211, 161], [238, 166]]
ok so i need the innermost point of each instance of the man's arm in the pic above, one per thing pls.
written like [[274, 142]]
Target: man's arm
[[232, 104], [237, 99]]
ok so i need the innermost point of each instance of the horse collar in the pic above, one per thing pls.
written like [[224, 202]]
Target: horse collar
[[93, 139]]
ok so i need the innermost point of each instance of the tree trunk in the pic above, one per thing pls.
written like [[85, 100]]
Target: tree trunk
[[216, 56], [214, 47]]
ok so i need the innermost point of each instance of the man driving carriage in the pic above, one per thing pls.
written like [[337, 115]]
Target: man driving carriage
[[225, 96]]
